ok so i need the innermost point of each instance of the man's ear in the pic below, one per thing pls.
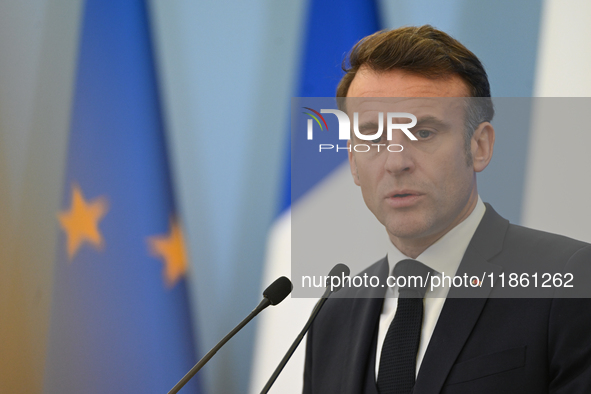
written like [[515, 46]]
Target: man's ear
[[483, 142], [353, 164]]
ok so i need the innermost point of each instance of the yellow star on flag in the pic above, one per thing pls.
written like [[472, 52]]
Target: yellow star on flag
[[171, 249], [80, 223]]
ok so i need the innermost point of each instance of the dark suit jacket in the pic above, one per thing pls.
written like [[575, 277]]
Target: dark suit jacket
[[481, 344]]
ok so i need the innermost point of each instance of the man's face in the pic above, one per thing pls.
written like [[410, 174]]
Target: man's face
[[424, 191]]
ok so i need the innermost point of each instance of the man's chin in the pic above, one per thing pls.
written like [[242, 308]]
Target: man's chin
[[407, 232]]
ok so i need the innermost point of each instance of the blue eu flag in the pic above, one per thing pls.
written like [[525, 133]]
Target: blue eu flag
[[120, 319]]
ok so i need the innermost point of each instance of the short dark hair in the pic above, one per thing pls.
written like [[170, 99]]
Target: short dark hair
[[428, 52]]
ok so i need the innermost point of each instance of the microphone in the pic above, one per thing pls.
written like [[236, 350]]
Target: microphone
[[338, 270], [273, 295]]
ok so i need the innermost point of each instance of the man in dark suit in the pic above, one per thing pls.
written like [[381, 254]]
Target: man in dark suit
[[471, 338]]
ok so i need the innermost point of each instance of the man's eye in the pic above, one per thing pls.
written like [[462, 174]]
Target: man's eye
[[424, 134], [377, 140]]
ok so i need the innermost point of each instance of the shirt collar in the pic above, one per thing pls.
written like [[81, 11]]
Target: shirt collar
[[445, 255]]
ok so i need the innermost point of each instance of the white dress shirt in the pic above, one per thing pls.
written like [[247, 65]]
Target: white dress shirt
[[444, 256]]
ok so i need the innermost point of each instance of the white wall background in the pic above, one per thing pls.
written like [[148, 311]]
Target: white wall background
[[558, 178]]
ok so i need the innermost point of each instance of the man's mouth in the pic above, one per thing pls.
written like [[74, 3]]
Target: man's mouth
[[404, 199], [404, 193]]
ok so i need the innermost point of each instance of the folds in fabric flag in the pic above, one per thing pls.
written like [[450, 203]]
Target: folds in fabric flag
[[332, 28], [120, 319]]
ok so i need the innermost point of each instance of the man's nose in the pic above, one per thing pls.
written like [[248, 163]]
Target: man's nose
[[400, 159]]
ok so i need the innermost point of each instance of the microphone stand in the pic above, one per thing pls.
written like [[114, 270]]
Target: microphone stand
[[297, 341], [273, 295], [265, 302]]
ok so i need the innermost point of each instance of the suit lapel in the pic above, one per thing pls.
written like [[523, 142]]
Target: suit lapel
[[460, 313], [363, 320]]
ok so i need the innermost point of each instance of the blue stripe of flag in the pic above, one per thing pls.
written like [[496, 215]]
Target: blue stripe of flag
[[332, 28]]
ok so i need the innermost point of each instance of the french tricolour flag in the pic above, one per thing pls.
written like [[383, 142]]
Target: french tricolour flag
[[333, 27]]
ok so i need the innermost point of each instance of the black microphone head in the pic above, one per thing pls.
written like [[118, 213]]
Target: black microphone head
[[278, 290], [340, 270]]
